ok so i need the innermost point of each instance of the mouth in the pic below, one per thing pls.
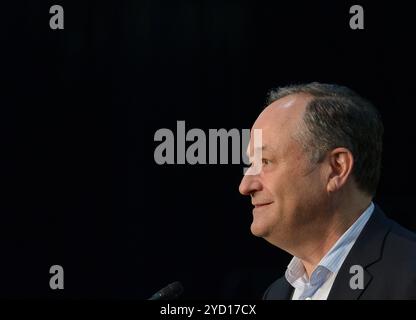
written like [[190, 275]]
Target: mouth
[[261, 205]]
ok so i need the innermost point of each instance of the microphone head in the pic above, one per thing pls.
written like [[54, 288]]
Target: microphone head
[[171, 291]]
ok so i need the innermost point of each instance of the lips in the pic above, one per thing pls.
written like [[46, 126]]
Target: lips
[[261, 205]]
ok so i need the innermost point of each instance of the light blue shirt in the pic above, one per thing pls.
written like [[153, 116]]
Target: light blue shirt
[[322, 278]]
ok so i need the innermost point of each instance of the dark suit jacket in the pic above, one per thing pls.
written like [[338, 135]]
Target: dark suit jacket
[[387, 253]]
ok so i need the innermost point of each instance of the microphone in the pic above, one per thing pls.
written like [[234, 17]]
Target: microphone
[[171, 291]]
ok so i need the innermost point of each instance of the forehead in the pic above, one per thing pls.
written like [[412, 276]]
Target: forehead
[[279, 121], [283, 113]]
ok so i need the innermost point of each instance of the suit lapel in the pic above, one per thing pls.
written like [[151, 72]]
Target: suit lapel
[[287, 291], [280, 290], [366, 251]]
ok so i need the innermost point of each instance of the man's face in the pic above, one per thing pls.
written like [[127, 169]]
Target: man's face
[[290, 191]]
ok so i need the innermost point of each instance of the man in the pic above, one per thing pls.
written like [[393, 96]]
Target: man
[[320, 166]]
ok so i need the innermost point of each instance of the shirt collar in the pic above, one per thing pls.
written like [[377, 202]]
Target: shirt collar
[[332, 261]]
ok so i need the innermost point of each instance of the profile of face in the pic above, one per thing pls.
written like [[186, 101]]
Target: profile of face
[[290, 191]]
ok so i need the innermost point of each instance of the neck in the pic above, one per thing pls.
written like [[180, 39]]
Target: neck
[[341, 218]]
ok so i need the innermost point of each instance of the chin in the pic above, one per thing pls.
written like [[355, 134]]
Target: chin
[[258, 230]]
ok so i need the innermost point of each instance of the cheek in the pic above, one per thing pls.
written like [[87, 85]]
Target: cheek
[[284, 184], [290, 190], [311, 191]]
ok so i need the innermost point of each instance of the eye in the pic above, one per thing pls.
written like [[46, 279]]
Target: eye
[[265, 161]]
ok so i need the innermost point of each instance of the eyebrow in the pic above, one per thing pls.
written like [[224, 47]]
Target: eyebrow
[[263, 147]]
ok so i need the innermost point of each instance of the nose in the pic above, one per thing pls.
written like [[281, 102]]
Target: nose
[[249, 185]]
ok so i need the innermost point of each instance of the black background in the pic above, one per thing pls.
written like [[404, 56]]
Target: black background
[[81, 106]]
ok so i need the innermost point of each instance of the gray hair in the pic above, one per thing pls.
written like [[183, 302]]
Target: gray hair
[[336, 116]]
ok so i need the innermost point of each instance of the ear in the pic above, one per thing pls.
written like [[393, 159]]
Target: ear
[[341, 163]]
